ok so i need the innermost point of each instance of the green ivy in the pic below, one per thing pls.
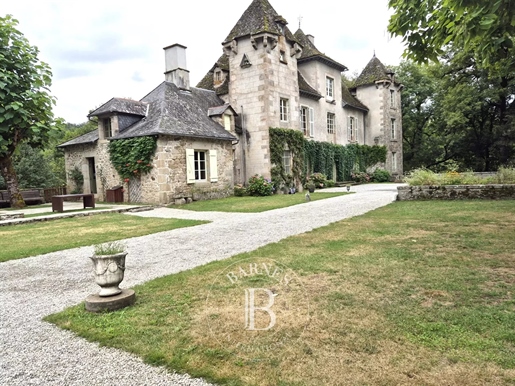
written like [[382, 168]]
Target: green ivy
[[294, 141], [132, 157], [337, 162]]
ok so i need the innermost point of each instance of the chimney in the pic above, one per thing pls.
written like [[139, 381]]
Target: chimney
[[176, 72], [311, 38]]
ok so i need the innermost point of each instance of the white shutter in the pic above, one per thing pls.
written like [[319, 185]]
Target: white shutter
[[190, 166], [311, 122], [213, 166], [356, 130], [349, 138]]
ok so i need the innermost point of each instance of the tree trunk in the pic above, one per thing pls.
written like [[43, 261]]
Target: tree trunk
[[9, 175]]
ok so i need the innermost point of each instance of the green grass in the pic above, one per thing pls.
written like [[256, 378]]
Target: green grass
[[254, 204], [18, 241], [417, 293], [65, 212]]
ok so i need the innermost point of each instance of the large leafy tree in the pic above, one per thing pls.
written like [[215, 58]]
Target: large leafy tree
[[25, 103], [473, 39]]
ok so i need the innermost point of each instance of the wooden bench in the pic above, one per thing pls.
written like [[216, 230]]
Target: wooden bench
[[31, 197], [57, 201]]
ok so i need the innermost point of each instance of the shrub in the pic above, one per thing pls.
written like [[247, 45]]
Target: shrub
[[505, 176], [380, 175], [319, 179], [258, 186], [422, 177], [239, 190], [361, 177], [330, 184]]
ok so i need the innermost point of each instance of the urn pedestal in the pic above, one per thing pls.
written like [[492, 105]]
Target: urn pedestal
[[109, 271]]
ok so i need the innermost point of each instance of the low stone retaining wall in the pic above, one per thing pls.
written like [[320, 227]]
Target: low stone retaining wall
[[455, 192]]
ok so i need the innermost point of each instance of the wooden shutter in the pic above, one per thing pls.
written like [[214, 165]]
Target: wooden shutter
[[190, 166], [311, 122], [213, 166], [356, 129], [349, 138]]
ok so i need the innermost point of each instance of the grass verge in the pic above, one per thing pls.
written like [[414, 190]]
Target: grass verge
[[415, 293], [250, 204], [33, 239]]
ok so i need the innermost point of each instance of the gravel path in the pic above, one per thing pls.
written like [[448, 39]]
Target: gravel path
[[33, 352]]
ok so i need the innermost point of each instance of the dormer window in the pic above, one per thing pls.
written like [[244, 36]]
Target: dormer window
[[106, 124], [282, 56], [218, 76], [227, 122]]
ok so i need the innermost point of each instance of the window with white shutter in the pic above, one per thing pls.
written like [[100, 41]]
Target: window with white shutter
[[311, 122], [213, 166]]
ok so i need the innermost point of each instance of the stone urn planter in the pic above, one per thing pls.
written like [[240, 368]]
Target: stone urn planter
[[311, 187], [109, 268]]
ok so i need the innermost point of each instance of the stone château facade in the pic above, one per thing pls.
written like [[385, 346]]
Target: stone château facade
[[266, 77]]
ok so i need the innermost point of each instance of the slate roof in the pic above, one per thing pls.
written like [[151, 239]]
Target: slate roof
[[306, 90], [207, 81], [121, 105], [219, 110], [179, 113], [259, 17], [374, 71], [84, 139], [350, 100], [310, 52]]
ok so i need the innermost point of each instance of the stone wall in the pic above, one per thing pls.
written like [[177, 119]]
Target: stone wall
[[167, 184], [455, 192]]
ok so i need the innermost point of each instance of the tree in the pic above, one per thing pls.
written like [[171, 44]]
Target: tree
[[25, 103], [484, 27]]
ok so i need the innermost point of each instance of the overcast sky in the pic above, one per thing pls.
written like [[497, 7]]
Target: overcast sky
[[112, 48]]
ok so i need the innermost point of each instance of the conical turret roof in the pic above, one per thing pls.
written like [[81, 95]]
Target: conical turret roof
[[260, 17], [374, 71]]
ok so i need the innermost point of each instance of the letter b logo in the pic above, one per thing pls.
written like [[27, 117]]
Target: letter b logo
[[250, 309]]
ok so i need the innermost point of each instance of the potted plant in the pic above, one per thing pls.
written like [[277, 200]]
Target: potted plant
[[109, 267], [310, 186]]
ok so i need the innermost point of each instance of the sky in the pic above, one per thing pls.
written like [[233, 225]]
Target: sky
[[112, 48]]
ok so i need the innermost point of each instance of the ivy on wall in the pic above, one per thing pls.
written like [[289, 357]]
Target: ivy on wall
[[281, 140], [337, 162], [132, 157]]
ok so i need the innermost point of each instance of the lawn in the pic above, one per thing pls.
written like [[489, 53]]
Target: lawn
[[415, 293], [18, 241], [254, 204]]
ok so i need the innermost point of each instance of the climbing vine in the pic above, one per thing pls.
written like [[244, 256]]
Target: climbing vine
[[132, 157], [337, 162], [281, 140]]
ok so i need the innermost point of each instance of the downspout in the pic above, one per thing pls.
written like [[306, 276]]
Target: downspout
[[243, 147]]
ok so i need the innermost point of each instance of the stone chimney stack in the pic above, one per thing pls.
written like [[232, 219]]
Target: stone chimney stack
[[176, 72], [311, 38]]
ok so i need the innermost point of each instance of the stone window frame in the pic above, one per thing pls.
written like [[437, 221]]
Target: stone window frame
[[352, 129], [394, 161], [307, 120], [107, 127], [287, 161], [329, 88], [393, 128], [331, 119], [200, 170], [284, 107], [392, 99]]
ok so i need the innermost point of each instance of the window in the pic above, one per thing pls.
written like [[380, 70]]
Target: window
[[307, 121], [201, 165], [329, 88], [227, 122], [287, 161], [394, 162], [330, 123], [393, 129], [106, 123], [283, 109], [392, 98], [218, 76], [352, 129], [282, 56]]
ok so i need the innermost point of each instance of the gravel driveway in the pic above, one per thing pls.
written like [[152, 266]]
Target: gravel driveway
[[34, 352]]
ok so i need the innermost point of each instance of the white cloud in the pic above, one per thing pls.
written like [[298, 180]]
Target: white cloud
[[101, 49]]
